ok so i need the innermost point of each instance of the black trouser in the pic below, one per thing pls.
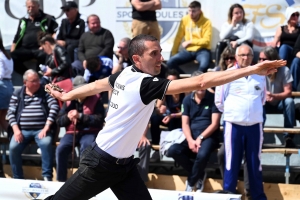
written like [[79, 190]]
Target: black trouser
[[22, 54], [97, 172], [219, 50], [70, 49]]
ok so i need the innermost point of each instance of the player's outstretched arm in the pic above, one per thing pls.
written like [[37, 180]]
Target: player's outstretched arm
[[212, 79], [84, 91]]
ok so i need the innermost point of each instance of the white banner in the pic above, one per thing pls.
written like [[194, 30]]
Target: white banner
[[15, 189], [115, 15]]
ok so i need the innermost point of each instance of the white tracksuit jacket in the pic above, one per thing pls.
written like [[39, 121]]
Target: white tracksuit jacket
[[242, 100]]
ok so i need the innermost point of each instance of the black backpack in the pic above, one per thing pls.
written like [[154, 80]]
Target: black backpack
[[41, 94]]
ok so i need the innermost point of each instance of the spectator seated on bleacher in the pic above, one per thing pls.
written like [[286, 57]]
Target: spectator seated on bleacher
[[96, 42], [295, 66], [58, 63], [201, 127], [31, 115], [236, 31], [121, 58], [97, 68], [25, 44], [196, 30], [83, 119], [279, 91], [167, 112], [227, 59], [70, 29], [286, 35]]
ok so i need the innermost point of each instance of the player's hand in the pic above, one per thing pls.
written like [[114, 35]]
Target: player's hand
[[268, 67]]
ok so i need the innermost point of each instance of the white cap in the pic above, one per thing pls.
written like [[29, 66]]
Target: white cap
[[288, 13]]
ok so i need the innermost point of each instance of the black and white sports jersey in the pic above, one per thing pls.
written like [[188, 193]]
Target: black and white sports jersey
[[131, 105]]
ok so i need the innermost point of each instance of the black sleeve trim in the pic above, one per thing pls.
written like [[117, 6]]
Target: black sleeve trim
[[112, 79]]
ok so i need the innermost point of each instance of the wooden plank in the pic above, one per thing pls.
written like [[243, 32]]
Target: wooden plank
[[277, 130], [281, 150], [296, 94], [33, 172], [155, 147], [273, 191]]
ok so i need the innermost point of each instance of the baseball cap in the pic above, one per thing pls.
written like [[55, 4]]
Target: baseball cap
[[78, 81], [69, 4]]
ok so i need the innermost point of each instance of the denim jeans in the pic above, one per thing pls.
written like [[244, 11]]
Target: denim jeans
[[202, 56], [286, 53], [96, 173], [287, 106], [16, 149], [65, 148], [182, 154], [295, 71]]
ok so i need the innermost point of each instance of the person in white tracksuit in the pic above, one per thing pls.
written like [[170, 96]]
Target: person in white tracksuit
[[241, 102]]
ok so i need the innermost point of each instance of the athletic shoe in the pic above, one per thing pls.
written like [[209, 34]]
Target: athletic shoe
[[200, 184], [188, 188]]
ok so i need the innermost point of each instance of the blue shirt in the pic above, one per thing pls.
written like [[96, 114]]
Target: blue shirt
[[104, 71], [200, 114]]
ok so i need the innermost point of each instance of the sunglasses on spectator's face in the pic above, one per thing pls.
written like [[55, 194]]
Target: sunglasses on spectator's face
[[229, 58], [295, 15], [121, 48], [262, 59], [66, 10]]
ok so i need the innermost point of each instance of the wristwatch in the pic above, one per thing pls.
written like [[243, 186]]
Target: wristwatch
[[201, 137]]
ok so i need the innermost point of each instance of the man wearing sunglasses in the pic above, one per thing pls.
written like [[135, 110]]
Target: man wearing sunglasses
[[279, 91], [71, 28]]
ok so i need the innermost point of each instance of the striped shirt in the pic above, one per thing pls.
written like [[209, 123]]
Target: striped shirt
[[32, 116]]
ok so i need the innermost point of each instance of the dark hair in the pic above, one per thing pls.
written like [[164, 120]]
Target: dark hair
[[45, 37], [93, 63], [228, 51], [137, 45], [271, 54], [236, 5], [195, 4], [126, 40], [3, 50], [92, 15], [172, 72]]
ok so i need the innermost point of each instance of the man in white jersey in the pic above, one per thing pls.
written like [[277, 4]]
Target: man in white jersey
[[108, 163]]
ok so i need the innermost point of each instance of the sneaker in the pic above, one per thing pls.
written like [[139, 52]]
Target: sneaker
[[155, 157], [289, 143], [188, 188], [47, 179], [200, 184]]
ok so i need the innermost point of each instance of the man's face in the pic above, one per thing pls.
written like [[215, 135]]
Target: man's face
[[151, 59], [244, 57], [71, 13], [94, 24], [32, 82], [194, 13], [32, 8], [122, 49]]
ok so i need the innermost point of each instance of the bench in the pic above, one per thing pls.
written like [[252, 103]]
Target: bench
[[287, 153]]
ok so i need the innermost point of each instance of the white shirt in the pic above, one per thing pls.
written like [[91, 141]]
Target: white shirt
[[243, 31], [131, 105], [242, 100], [6, 66]]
